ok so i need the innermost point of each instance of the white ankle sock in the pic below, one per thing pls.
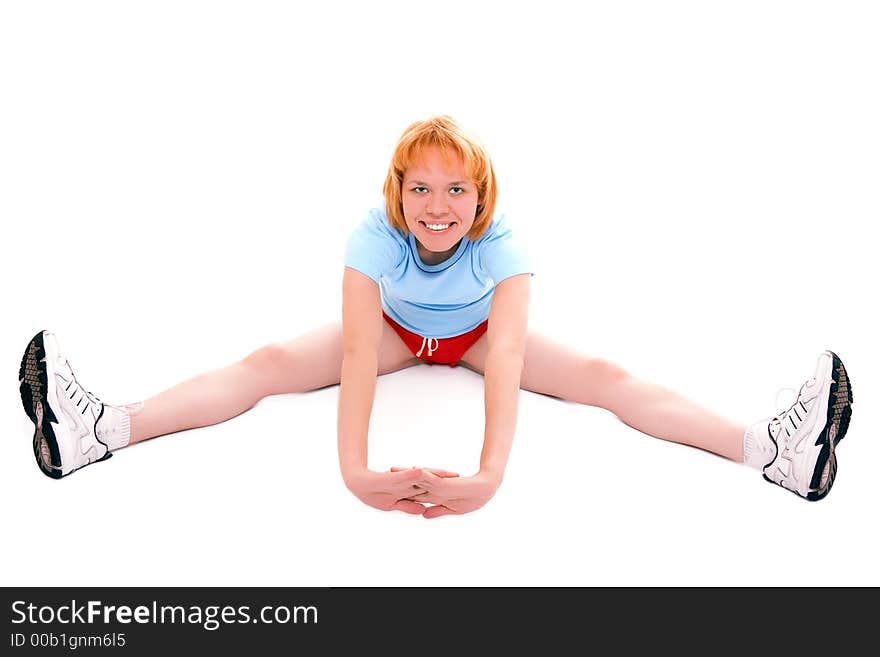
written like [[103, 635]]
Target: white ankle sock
[[114, 427], [758, 447]]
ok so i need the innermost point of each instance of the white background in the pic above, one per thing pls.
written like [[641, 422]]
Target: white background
[[698, 183]]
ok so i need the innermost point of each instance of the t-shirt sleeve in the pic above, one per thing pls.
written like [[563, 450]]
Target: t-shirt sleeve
[[502, 254], [372, 247]]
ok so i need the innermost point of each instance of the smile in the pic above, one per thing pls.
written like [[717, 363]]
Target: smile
[[438, 228]]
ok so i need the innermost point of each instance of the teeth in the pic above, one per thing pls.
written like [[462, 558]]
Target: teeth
[[438, 226]]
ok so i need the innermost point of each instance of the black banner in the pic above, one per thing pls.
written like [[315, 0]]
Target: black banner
[[145, 620]]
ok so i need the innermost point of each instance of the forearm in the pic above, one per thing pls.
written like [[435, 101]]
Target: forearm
[[356, 392], [503, 370]]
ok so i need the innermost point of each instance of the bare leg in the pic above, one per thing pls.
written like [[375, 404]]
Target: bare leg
[[553, 369], [309, 362], [662, 413]]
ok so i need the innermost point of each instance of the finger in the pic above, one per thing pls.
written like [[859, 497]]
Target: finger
[[426, 498], [406, 476], [442, 473], [408, 506], [438, 510], [428, 479]]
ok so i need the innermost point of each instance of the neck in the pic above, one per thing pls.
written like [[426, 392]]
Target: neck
[[435, 257]]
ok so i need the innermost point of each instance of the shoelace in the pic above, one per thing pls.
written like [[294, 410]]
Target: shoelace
[[85, 393], [780, 418]]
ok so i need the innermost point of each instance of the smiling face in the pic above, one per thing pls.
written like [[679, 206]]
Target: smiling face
[[439, 204]]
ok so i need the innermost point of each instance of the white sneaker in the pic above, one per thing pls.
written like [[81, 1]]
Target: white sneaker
[[802, 439], [73, 427]]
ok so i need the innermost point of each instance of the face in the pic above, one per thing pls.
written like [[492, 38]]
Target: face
[[439, 204]]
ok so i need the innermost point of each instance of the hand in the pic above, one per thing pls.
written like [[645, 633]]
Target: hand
[[455, 495], [387, 491], [416, 488]]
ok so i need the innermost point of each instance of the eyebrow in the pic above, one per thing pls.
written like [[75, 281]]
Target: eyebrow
[[454, 182]]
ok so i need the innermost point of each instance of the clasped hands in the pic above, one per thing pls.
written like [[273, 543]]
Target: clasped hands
[[427, 492]]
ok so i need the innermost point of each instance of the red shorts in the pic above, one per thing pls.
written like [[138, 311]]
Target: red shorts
[[445, 351]]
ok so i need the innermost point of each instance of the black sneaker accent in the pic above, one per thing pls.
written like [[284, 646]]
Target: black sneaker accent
[[33, 386], [840, 400]]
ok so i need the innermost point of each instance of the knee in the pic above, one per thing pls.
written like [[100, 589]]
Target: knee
[[602, 378], [267, 359], [603, 371]]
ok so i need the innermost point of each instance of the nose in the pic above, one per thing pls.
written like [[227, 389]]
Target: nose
[[437, 205]]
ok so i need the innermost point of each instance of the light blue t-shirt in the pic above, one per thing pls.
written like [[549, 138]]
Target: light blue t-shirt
[[437, 301]]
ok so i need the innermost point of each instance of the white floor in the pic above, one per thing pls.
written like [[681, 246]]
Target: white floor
[[586, 500], [699, 192]]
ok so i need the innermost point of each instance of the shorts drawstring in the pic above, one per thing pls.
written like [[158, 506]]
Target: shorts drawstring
[[430, 351], [433, 345]]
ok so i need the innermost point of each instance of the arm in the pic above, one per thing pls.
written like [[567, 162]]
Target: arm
[[361, 336], [508, 323], [361, 333], [508, 320]]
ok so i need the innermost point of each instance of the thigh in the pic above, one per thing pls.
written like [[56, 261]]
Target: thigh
[[553, 368], [314, 360]]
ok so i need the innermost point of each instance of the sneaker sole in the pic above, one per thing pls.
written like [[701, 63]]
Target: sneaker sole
[[39, 396], [840, 401], [34, 389]]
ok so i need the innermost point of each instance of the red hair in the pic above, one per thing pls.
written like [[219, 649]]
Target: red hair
[[445, 133]]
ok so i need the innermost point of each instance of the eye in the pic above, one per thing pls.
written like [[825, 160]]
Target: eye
[[418, 189], [455, 191]]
